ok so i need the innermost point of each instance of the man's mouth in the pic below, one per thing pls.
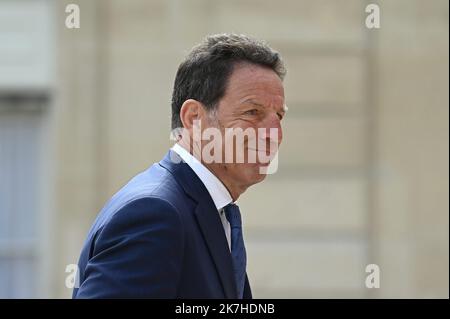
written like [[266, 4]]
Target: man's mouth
[[264, 155]]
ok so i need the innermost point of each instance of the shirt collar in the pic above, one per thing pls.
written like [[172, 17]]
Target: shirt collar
[[219, 194]]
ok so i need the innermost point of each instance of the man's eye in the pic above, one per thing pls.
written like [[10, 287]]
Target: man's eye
[[251, 112]]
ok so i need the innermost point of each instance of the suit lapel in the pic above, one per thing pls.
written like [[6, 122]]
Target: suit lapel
[[208, 220]]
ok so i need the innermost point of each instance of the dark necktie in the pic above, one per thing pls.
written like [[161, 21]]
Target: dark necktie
[[237, 246]]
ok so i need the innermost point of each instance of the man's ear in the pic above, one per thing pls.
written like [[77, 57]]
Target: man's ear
[[190, 111]]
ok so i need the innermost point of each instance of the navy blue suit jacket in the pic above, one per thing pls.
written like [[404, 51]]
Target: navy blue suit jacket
[[160, 236]]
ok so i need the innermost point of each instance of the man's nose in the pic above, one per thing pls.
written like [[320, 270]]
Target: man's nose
[[272, 123]]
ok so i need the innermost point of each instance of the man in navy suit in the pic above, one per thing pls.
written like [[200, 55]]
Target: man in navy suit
[[174, 231]]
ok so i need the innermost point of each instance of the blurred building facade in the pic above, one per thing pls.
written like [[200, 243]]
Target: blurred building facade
[[363, 175]]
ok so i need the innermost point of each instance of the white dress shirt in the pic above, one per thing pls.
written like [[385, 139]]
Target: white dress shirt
[[219, 194]]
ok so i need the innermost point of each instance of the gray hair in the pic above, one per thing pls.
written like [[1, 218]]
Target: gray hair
[[204, 73]]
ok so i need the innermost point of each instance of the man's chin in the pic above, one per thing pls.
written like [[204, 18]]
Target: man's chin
[[257, 172]]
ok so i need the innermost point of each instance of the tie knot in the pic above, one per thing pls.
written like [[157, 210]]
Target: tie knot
[[233, 215]]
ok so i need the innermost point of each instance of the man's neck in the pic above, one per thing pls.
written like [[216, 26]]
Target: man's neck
[[218, 169]]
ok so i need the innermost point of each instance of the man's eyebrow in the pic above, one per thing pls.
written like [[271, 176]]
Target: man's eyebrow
[[251, 101]]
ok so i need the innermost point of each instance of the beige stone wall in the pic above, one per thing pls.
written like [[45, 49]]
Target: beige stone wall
[[410, 231], [363, 174]]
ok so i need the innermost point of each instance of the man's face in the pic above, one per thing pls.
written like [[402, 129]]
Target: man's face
[[254, 99]]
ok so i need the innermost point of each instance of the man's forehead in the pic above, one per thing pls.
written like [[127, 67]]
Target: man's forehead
[[256, 88], [249, 73], [256, 84]]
